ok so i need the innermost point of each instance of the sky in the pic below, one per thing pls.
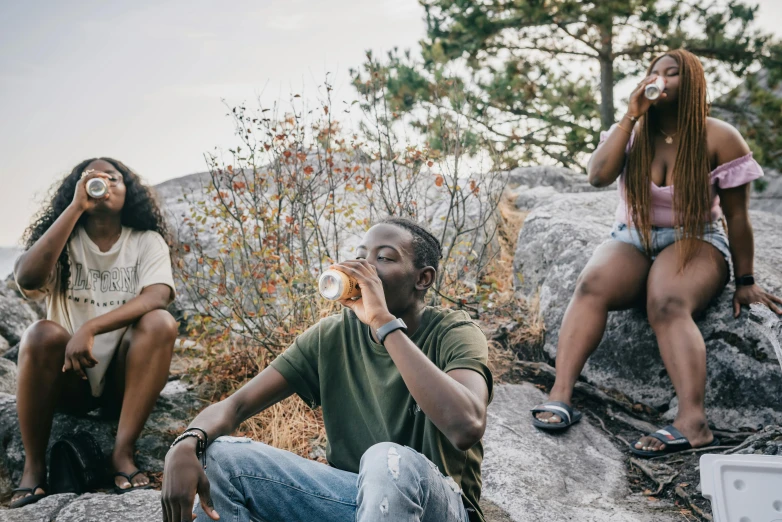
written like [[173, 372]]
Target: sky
[[147, 82]]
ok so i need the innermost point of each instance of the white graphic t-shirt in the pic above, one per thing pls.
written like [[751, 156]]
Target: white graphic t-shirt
[[101, 282]]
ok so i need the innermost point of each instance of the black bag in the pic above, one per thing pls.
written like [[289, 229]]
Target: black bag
[[76, 464]]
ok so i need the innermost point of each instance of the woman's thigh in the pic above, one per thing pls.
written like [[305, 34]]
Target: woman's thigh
[[157, 321], [674, 290], [616, 273]]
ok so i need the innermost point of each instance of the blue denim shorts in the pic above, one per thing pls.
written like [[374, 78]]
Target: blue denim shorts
[[663, 237]]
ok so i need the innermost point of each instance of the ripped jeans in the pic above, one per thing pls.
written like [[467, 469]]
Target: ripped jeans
[[251, 481]]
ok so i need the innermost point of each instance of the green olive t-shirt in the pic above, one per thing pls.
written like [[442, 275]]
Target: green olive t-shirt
[[335, 364]]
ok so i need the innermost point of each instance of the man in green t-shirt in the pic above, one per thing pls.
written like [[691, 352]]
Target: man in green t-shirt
[[404, 389]]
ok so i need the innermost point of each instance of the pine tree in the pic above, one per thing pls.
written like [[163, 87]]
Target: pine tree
[[537, 78]]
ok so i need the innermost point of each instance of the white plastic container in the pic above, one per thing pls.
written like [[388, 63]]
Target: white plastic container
[[743, 488]]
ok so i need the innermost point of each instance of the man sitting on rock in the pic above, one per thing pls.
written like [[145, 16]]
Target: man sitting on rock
[[404, 389]]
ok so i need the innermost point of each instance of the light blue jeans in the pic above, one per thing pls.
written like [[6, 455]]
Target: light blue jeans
[[251, 481], [663, 237]]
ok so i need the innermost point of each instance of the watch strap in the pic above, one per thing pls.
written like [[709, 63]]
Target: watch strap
[[390, 326], [745, 280]]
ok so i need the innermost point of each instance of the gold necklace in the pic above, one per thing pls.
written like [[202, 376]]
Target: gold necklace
[[668, 137]]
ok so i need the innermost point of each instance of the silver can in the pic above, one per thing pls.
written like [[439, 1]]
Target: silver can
[[653, 90], [97, 187]]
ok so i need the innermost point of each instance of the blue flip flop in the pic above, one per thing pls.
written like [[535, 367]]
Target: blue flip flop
[[674, 442], [567, 413]]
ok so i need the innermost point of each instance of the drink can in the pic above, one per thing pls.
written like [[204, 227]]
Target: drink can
[[653, 90], [97, 187], [335, 285]]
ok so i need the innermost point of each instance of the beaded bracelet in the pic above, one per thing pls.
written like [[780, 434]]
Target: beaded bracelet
[[200, 447]]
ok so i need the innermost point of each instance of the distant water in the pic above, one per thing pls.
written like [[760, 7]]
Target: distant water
[[7, 258]]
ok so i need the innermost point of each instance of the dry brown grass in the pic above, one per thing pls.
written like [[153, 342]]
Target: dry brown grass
[[515, 324], [290, 425]]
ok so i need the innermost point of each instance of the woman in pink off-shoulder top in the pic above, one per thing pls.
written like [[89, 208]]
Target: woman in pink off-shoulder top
[[683, 177]]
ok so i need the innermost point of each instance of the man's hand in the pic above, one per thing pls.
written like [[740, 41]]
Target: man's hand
[[183, 477], [746, 295], [78, 352], [371, 307]]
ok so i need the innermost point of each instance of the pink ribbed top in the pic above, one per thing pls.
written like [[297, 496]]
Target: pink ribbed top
[[734, 173]]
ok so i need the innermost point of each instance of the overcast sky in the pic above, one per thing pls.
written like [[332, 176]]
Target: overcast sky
[[143, 80]]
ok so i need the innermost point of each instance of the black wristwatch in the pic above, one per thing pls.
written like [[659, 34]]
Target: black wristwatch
[[745, 280], [390, 326]]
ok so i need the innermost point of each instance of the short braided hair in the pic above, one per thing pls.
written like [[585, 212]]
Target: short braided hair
[[426, 248]]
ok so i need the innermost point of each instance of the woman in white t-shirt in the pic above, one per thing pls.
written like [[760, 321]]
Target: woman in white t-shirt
[[104, 268]]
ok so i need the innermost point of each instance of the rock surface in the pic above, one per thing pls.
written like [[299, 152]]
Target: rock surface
[[45, 510], [579, 475], [16, 314], [7, 376], [770, 198], [744, 383], [530, 187]]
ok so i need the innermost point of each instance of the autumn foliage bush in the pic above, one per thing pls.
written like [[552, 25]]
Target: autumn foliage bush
[[296, 194]]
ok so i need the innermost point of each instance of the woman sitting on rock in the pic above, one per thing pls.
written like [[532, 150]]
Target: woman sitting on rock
[[104, 269], [679, 172]]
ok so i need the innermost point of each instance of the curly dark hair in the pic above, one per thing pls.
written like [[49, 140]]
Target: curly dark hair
[[140, 211], [426, 247]]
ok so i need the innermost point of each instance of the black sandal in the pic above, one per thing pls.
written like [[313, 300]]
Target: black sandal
[[567, 413], [674, 442], [32, 498], [119, 491]]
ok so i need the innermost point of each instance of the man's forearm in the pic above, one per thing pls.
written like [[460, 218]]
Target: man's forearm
[[452, 407], [217, 420]]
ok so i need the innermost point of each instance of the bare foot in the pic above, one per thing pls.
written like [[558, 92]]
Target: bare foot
[[125, 464], [552, 418], [30, 479], [697, 432]]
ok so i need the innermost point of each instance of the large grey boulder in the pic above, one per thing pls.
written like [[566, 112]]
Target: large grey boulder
[[16, 314], [770, 198], [7, 376], [135, 506], [529, 187], [744, 380], [45, 510], [558, 178], [578, 475], [173, 410]]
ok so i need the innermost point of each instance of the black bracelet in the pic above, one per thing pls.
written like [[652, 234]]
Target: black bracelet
[[205, 444], [200, 446]]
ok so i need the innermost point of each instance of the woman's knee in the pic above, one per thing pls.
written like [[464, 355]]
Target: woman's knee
[[590, 284], [160, 324], [44, 340], [664, 308]]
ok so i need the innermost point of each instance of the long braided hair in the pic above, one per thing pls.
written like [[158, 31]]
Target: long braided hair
[[140, 211], [691, 169]]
